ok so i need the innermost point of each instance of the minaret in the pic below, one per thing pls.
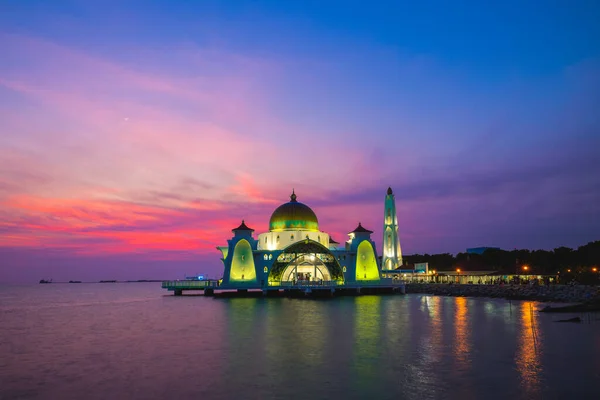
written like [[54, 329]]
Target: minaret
[[392, 254]]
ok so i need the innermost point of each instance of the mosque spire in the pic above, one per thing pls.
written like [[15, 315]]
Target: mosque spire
[[293, 196], [392, 253]]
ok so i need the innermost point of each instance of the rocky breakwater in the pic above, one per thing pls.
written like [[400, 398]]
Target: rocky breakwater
[[554, 293]]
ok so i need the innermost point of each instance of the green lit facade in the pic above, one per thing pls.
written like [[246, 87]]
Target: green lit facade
[[294, 251]]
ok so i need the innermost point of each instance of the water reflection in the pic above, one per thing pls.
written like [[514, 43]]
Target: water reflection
[[122, 345], [528, 358], [367, 318], [435, 341], [461, 337]]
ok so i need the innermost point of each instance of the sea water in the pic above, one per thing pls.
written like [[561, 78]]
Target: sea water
[[136, 341]]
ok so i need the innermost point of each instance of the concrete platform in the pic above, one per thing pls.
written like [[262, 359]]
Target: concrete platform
[[327, 289]]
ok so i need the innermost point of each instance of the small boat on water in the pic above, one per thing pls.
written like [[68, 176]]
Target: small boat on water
[[45, 280]]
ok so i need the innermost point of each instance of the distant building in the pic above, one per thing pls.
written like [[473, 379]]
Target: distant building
[[480, 250], [421, 268]]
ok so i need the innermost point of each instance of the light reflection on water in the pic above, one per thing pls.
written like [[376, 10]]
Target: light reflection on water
[[530, 344], [366, 348], [462, 341], [130, 341]]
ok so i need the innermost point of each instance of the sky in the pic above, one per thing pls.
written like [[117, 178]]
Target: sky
[[134, 135]]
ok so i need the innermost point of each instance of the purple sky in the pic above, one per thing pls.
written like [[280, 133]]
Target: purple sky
[[134, 135]]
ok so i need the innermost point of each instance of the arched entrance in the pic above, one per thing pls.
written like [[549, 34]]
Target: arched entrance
[[306, 261], [307, 267]]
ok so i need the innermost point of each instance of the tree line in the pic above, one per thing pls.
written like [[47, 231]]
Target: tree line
[[583, 262]]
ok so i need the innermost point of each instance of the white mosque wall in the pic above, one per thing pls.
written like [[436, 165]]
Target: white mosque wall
[[280, 240]]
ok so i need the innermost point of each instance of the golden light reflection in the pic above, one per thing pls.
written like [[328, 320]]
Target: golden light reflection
[[527, 357], [435, 345], [462, 347]]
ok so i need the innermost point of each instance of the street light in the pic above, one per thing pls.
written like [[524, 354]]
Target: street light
[[525, 267], [595, 269]]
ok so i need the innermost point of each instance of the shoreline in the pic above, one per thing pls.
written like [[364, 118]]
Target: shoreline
[[552, 293]]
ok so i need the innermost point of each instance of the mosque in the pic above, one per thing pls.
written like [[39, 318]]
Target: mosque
[[296, 252]]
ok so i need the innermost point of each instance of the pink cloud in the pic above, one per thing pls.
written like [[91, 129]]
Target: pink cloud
[[126, 160]]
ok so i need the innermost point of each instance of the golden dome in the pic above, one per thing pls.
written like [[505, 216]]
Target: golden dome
[[293, 216]]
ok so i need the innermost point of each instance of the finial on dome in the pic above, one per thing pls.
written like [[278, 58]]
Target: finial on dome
[[389, 191], [293, 196]]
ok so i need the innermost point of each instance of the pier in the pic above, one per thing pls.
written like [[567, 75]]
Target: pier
[[288, 289]]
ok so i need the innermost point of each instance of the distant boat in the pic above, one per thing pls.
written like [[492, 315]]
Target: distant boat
[[111, 281], [74, 281], [45, 280]]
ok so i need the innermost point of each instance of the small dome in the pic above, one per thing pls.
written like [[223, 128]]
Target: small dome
[[242, 227], [293, 216]]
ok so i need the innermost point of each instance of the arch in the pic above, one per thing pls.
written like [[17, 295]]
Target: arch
[[306, 253], [366, 263], [306, 267], [242, 263], [388, 241]]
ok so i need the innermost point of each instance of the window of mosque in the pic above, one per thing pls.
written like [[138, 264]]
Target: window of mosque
[[344, 269], [292, 237], [265, 257], [307, 236], [266, 270], [285, 257], [325, 257], [265, 240], [243, 257], [318, 238], [277, 238], [270, 256]]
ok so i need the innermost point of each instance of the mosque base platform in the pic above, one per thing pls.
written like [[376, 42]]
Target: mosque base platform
[[296, 291]]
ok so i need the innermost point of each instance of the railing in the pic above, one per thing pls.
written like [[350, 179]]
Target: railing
[[190, 284], [306, 283], [379, 282], [288, 284]]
